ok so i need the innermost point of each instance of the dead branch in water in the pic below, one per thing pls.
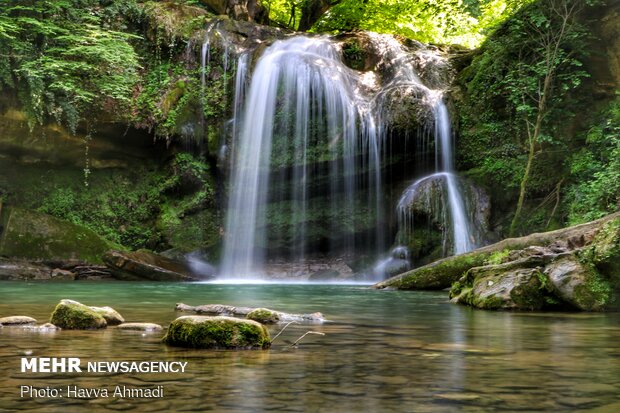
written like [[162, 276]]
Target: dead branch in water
[[308, 332], [283, 328]]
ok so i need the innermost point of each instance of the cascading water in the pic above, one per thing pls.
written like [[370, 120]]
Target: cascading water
[[308, 127], [301, 97]]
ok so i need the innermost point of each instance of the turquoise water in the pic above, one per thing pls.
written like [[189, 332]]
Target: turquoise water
[[382, 351]]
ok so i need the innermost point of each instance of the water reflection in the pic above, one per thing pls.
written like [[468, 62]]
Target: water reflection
[[383, 351]]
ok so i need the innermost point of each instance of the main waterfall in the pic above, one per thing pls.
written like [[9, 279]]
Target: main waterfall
[[301, 97], [308, 148]]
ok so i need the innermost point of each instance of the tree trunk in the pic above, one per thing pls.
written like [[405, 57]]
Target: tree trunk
[[312, 11]]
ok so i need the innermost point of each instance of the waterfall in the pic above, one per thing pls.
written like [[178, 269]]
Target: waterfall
[[307, 148], [301, 97]]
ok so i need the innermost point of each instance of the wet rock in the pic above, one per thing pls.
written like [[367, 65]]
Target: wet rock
[[62, 275], [146, 327], [72, 315], [17, 320], [596, 242], [578, 283], [144, 265], [425, 203], [499, 288], [217, 333], [264, 316], [43, 328], [229, 310], [12, 270], [112, 317]]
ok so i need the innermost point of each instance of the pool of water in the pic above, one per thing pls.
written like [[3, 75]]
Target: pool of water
[[382, 351]]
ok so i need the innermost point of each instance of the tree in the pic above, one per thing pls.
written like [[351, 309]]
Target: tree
[[550, 29]]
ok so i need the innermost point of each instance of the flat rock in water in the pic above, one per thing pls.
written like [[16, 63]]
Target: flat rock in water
[[146, 266], [229, 310], [17, 320], [217, 333], [147, 327]]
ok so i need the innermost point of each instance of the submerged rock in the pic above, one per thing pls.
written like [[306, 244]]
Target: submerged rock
[[146, 327], [229, 310], [72, 315], [146, 266], [17, 320], [217, 333]]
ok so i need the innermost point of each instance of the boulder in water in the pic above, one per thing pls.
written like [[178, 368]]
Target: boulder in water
[[143, 265], [264, 316], [17, 320], [72, 315], [112, 317], [218, 332], [145, 327], [229, 310]]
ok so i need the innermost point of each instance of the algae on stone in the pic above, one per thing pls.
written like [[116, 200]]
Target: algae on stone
[[72, 315], [217, 333], [264, 316]]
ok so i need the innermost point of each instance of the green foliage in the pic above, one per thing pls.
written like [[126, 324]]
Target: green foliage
[[465, 22], [137, 210], [66, 57], [595, 170], [504, 89]]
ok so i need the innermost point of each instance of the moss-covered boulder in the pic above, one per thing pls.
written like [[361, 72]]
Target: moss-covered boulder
[[217, 333], [588, 237], [72, 315], [33, 235], [264, 316], [494, 288]]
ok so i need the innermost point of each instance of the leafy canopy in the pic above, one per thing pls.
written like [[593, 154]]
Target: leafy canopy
[[65, 58], [465, 22]]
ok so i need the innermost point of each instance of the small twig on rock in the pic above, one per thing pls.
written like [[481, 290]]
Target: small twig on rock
[[309, 332], [283, 328]]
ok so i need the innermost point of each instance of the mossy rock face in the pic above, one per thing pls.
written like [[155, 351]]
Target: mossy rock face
[[72, 315], [436, 276], [33, 235], [217, 333], [494, 288], [605, 251], [264, 316]]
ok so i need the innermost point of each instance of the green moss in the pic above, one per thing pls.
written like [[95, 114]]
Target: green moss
[[32, 235], [217, 333], [264, 316], [439, 275], [529, 296], [72, 315], [498, 257]]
